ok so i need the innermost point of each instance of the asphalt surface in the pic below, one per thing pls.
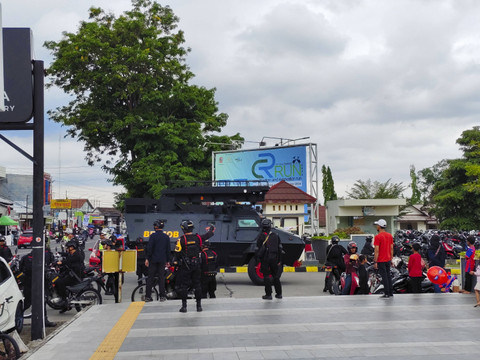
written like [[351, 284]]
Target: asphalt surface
[[407, 326], [305, 324]]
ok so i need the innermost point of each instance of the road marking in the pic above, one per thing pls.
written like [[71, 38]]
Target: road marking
[[114, 339]]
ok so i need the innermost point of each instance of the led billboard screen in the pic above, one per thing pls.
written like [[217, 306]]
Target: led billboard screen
[[268, 164]]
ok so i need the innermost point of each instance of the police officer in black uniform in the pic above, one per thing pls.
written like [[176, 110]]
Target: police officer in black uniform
[[209, 271], [269, 253], [142, 269], [73, 262], [25, 267], [5, 251], [335, 253], [158, 254], [187, 256]]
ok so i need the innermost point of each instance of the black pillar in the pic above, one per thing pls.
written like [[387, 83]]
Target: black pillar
[[38, 222]]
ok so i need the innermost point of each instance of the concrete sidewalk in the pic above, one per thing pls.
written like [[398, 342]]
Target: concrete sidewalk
[[409, 326]]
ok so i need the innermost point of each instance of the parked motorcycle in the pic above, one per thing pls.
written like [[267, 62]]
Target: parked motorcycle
[[79, 295], [400, 280], [332, 279], [355, 284]]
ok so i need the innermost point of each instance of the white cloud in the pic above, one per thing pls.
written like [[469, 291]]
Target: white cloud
[[379, 85]]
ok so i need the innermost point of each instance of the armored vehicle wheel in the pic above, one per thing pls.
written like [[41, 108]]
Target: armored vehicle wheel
[[254, 271]]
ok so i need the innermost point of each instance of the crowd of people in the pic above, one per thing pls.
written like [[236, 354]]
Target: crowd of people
[[196, 263], [381, 254]]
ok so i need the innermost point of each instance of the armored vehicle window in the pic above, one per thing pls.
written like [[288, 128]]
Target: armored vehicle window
[[247, 223]]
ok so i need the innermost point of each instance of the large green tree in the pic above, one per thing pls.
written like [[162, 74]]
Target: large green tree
[[328, 186], [133, 104], [457, 192], [376, 190]]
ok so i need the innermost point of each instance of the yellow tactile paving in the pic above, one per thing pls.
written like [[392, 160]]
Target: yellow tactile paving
[[114, 340]]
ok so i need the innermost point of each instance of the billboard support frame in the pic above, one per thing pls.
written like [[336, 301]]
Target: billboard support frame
[[313, 177]]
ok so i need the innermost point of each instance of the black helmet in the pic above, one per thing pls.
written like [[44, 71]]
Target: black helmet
[[351, 245], [2, 238], [266, 224], [159, 224], [335, 239], [71, 244], [205, 243], [187, 226]]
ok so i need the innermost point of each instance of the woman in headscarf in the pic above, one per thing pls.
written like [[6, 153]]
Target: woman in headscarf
[[436, 256]]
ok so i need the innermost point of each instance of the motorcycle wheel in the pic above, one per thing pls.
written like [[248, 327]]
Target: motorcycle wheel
[[54, 300], [171, 293], [88, 297], [8, 347], [336, 287], [138, 295]]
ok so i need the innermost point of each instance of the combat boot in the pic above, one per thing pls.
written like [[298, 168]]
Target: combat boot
[[183, 309], [199, 305]]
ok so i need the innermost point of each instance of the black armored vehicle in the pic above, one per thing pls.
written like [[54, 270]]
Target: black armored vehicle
[[231, 209]]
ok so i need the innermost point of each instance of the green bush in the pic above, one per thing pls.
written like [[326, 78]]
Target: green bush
[[347, 232]]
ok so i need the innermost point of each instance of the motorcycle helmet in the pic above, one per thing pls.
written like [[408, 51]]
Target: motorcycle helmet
[[71, 244], [266, 225], [105, 232], [187, 226], [352, 245], [2, 238], [159, 224], [435, 240], [335, 239]]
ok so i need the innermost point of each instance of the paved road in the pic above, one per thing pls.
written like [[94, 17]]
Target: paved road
[[407, 327], [229, 285]]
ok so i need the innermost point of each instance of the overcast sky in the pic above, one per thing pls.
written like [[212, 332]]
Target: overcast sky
[[379, 85]]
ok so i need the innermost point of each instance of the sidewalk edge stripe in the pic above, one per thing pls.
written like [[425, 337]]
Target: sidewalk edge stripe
[[114, 339]]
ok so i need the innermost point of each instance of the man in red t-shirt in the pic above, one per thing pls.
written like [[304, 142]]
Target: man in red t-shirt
[[383, 244]]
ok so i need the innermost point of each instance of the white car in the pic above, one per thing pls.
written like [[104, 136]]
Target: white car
[[11, 300]]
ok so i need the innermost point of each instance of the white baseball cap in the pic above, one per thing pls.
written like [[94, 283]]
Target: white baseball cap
[[382, 223]]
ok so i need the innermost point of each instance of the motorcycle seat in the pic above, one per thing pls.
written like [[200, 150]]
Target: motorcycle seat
[[80, 286]]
